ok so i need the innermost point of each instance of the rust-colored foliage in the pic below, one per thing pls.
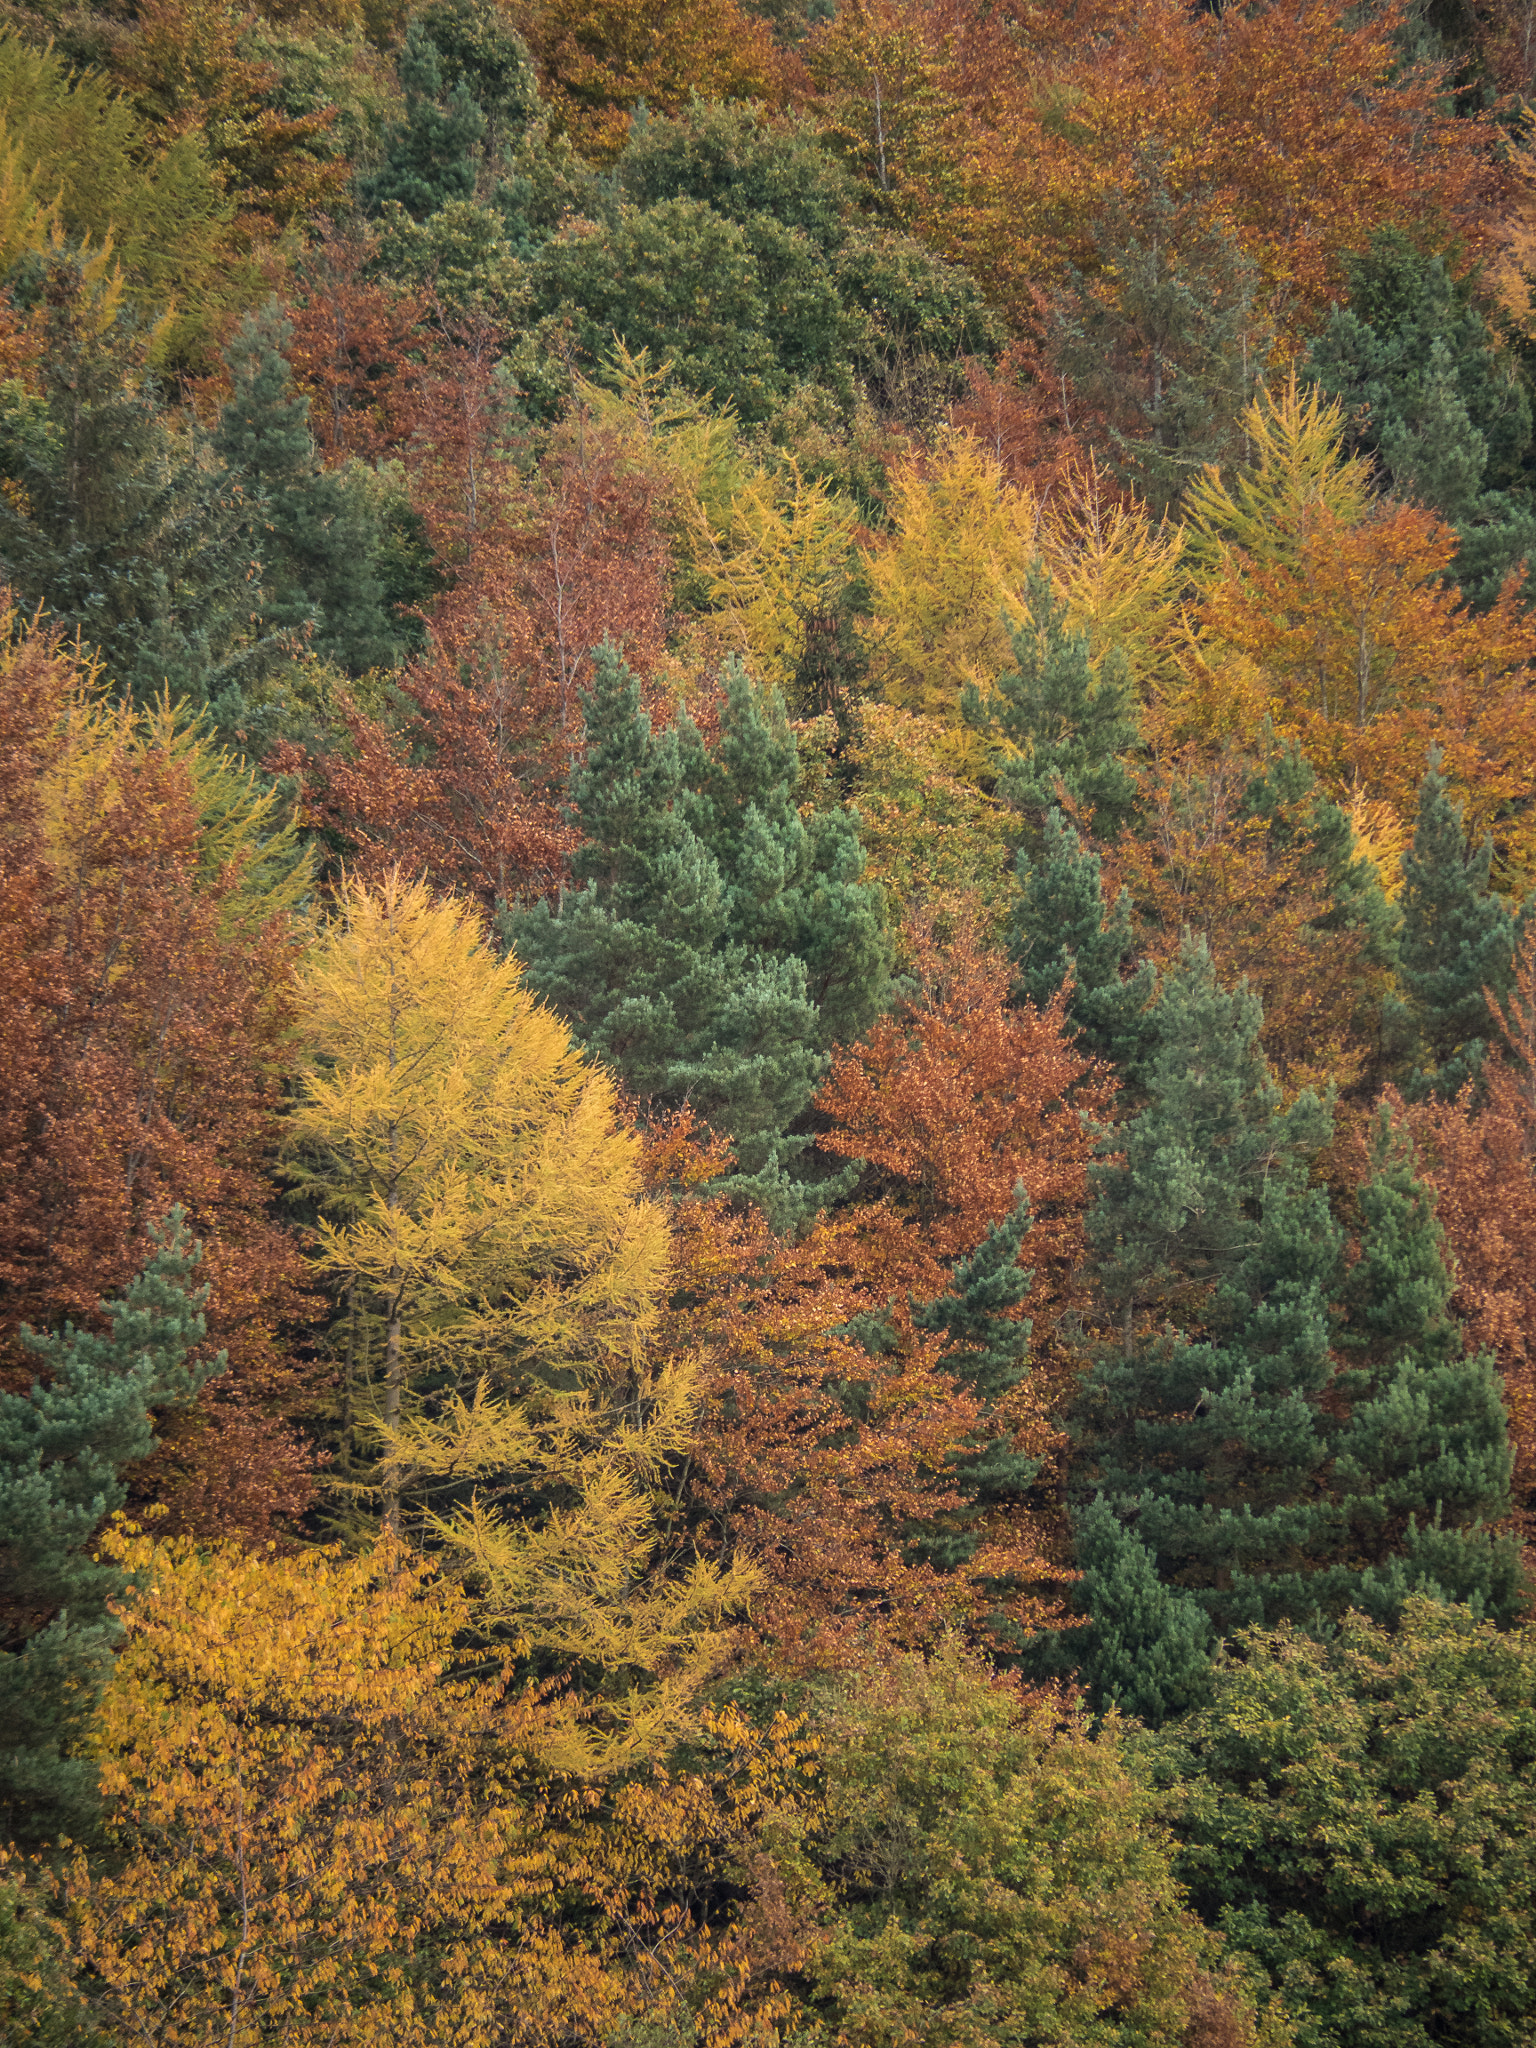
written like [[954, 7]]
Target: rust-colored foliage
[[1479, 1154], [599, 59], [360, 347], [146, 1018], [998, 137], [958, 1097], [1366, 656], [818, 1454], [185, 65], [1242, 885], [468, 788]]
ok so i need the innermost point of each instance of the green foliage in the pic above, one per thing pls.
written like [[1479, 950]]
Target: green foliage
[[1457, 946], [988, 1872], [1060, 721], [733, 255], [1178, 1195], [1163, 340], [721, 942], [1063, 927], [315, 531], [64, 1450], [1422, 1465], [162, 208], [39, 2001], [1358, 1817], [119, 524], [1434, 399], [989, 1354], [1144, 1647], [429, 158]]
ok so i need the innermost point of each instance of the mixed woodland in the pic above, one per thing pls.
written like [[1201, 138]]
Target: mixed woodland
[[768, 1060]]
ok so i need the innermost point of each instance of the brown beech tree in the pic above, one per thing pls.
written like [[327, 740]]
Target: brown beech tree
[[146, 955]]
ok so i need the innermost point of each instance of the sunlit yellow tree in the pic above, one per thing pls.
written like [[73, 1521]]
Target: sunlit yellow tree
[[322, 1832], [482, 1216]]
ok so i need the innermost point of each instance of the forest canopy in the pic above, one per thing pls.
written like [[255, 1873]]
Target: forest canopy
[[768, 1116]]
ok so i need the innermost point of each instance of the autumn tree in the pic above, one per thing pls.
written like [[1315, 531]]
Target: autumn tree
[[326, 1828], [955, 1101], [835, 1443], [497, 1271], [147, 887], [66, 1449]]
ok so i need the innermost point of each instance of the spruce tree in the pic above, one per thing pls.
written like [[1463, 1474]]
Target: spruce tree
[[990, 1356], [317, 536], [1179, 1192], [1062, 927], [1434, 399], [64, 1448], [1063, 720], [1423, 1460], [720, 942], [1458, 944], [429, 158]]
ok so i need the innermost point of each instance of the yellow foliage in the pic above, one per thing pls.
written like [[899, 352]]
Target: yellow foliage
[[784, 557], [1119, 572], [930, 838], [321, 1834], [1380, 835], [942, 584], [1294, 470], [28, 218], [486, 1199], [485, 1211]]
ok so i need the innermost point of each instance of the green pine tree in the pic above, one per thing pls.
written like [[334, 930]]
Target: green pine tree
[[989, 1354], [1423, 1460], [117, 523], [1062, 927], [316, 534], [720, 942], [1180, 1191], [429, 158], [1144, 1647], [64, 1448], [1062, 723], [1458, 945], [1431, 395]]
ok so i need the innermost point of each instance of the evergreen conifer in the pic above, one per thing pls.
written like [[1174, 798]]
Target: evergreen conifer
[[1062, 927], [317, 537], [118, 524], [64, 1448], [1181, 1188], [1432, 397], [429, 158], [990, 1356], [720, 943], [1423, 1458], [1064, 721], [1458, 945]]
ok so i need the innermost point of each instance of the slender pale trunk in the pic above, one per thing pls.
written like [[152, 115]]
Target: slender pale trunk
[[392, 1384]]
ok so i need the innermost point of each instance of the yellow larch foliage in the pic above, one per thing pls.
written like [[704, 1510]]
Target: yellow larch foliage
[[1294, 469], [783, 560], [942, 585], [1119, 571], [483, 1213]]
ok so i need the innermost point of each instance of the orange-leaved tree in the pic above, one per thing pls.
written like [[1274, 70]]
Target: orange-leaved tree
[[321, 1831], [146, 888]]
